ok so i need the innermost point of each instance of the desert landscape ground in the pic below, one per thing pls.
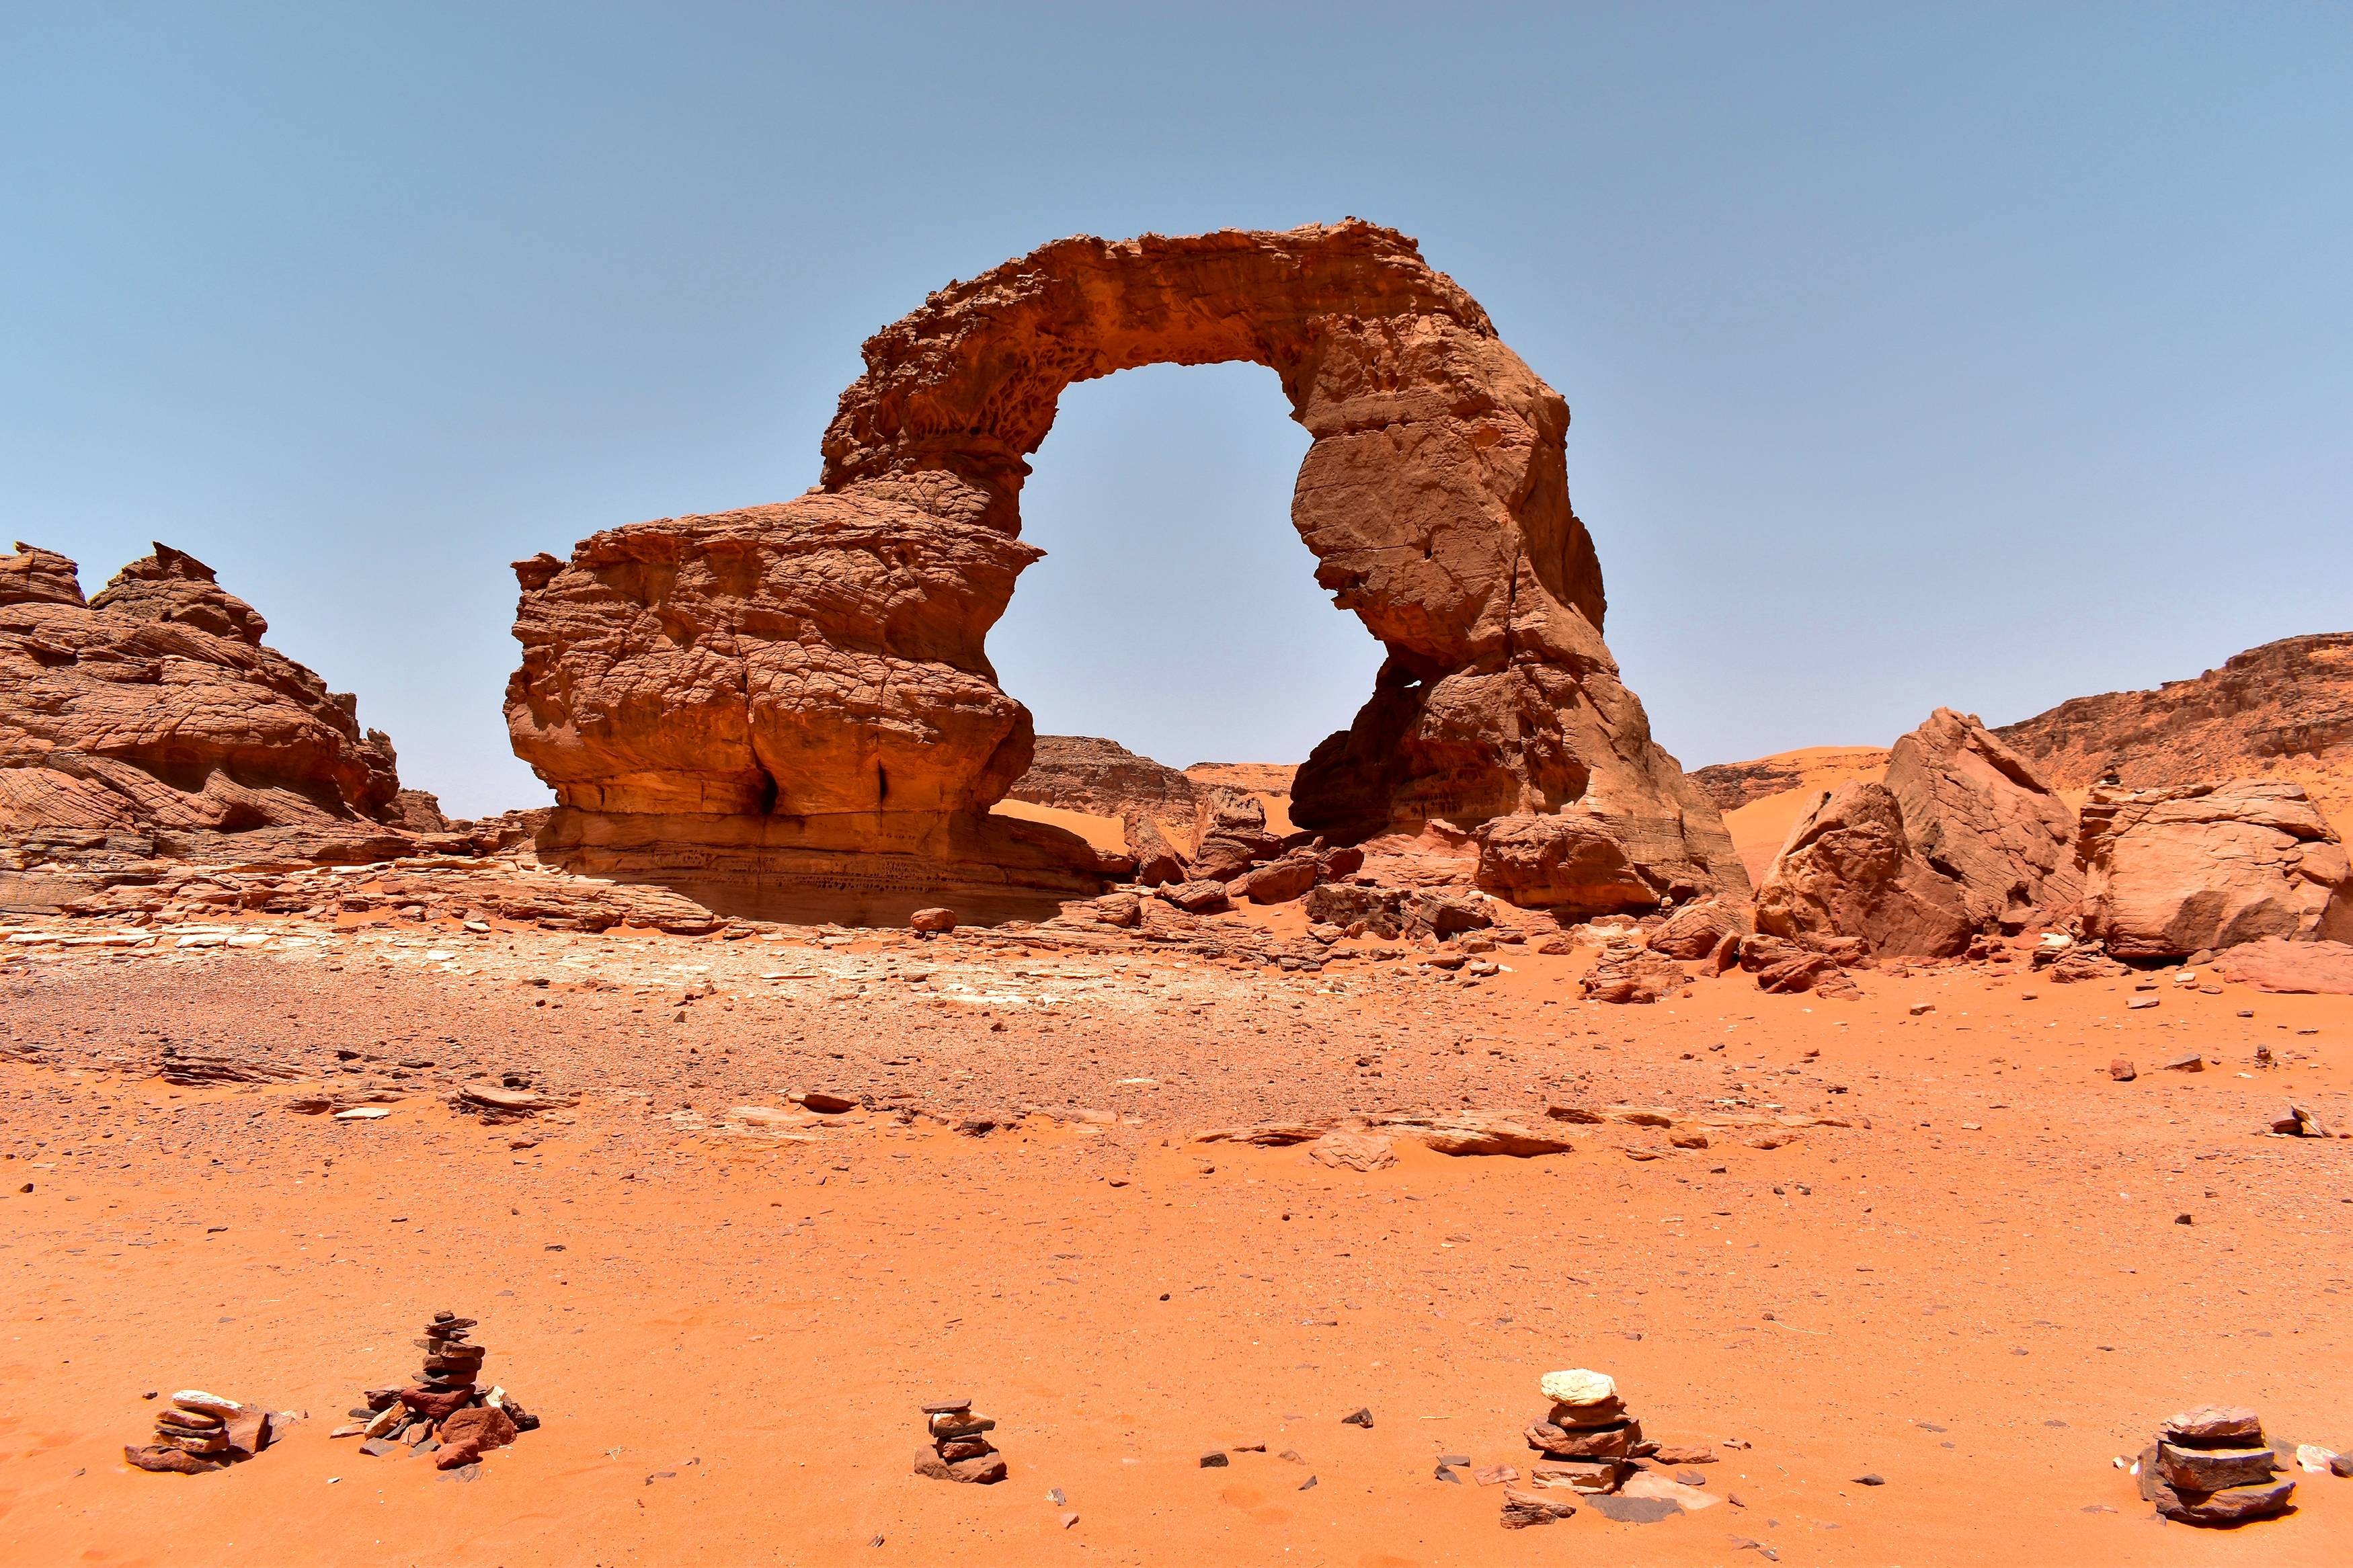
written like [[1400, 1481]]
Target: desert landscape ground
[[850, 1127], [1982, 1270]]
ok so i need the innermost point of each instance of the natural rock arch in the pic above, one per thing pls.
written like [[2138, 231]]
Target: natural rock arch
[[801, 692]]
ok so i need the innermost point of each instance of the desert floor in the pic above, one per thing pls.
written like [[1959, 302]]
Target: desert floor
[[1979, 1291]]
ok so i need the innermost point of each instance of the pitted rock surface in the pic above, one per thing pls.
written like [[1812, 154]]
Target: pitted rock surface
[[817, 668]]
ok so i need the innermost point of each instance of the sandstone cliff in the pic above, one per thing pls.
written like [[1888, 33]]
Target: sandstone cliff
[[2281, 710]]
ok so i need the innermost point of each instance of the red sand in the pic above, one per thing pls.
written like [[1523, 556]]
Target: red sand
[[1981, 1296]]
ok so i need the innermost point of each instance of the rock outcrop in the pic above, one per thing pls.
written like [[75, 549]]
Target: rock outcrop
[[1850, 869], [2188, 868], [1102, 778], [155, 707], [2275, 963], [1961, 839], [1735, 785], [2285, 702], [1976, 810], [799, 692]]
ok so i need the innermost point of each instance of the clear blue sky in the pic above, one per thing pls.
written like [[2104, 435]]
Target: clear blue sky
[[1980, 355]]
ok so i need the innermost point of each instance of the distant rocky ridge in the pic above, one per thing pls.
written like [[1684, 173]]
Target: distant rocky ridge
[[2285, 702], [1102, 778], [2284, 708], [1731, 786], [2204, 820]]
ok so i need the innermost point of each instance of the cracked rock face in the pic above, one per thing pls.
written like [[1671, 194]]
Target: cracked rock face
[[155, 706], [819, 665], [2183, 868], [1963, 837]]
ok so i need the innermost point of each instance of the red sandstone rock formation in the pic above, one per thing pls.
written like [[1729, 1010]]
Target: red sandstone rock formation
[[1103, 778], [2174, 870], [155, 706], [797, 690], [2276, 963], [1849, 870], [1976, 811], [2285, 702], [1962, 838]]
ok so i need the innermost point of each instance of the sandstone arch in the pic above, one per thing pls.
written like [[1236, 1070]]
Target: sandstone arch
[[800, 692]]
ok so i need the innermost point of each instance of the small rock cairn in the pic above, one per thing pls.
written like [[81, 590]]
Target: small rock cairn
[[198, 1432], [2212, 1466], [960, 1449], [444, 1414], [1589, 1444]]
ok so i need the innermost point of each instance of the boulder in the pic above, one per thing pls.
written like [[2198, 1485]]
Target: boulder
[[1478, 1132], [800, 692], [1961, 839], [1196, 897], [1380, 910], [1523, 1508], [479, 1427], [1630, 975], [1442, 916], [2214, 1426], [156, 706], [2173, 870], [1571, 862], [1976, 809], [2212, 1470], [1697, 929], [1157, 861], [1849, 870], [982, 1470], [1280, 881], [1783, 967], [1230, 835], [2276, 963]]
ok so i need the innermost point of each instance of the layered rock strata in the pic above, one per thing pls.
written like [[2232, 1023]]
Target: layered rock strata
[[1102, 778], [2284, 703], [155, 708], [2213, 1466], [800, 692]]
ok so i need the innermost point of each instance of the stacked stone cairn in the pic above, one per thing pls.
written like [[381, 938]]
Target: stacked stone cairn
[[198, 1432], [2212, 1466], [445, 1414], [1589, 1442], [960, 1449]]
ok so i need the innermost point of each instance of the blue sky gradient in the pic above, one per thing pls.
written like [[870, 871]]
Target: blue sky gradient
[[1983, 356]]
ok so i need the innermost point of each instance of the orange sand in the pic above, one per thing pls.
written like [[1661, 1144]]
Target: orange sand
[[1978, 1291]]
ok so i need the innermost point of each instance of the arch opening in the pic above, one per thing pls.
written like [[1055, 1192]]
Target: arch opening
[[1175, 611], [657, 696]]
